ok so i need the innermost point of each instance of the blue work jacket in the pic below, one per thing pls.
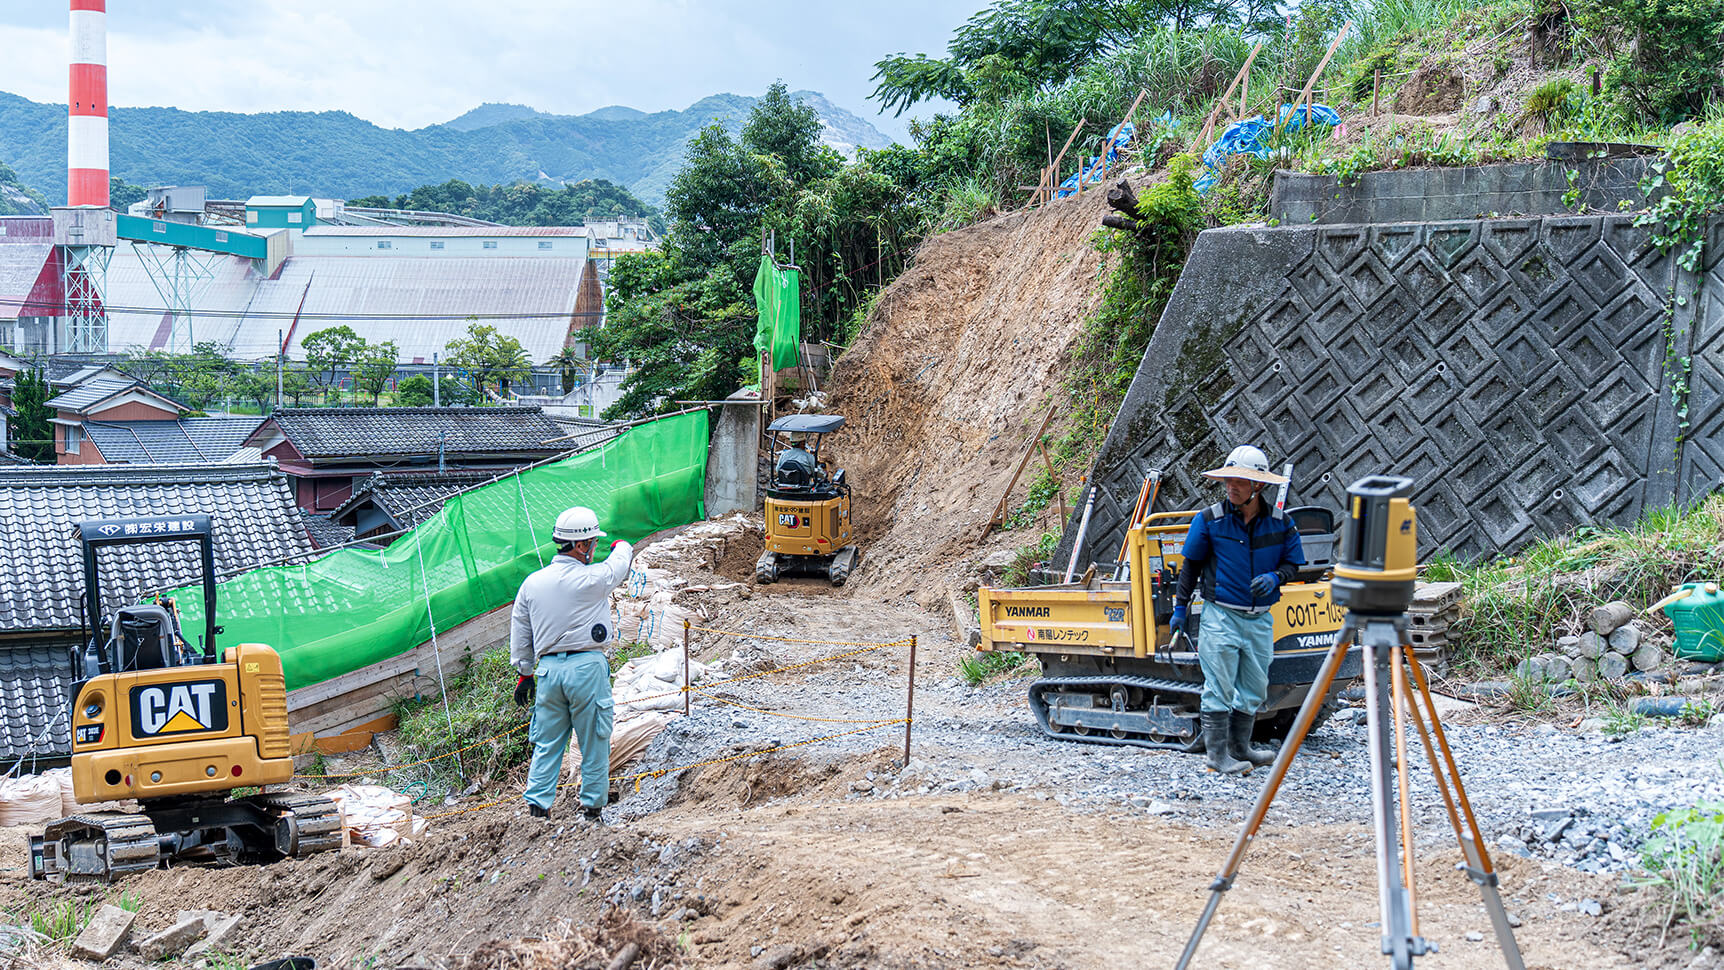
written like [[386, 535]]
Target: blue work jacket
[[1226, 553]]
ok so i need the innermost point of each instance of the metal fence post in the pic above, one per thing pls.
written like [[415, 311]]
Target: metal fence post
[[685, 681], [910, 701]]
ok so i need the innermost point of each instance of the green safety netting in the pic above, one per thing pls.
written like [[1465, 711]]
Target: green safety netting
[[778, 299], [354, 607]]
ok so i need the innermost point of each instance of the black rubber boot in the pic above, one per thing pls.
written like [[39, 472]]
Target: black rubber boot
[[1216, 744], [1239, 730]]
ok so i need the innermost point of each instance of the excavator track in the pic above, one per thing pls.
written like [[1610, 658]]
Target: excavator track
[[304, 824], [839, 570], [95, 847], [1129, 720]]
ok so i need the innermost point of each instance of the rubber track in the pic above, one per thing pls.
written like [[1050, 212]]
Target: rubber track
[[130, 838], [318, 818], [1100, 685]]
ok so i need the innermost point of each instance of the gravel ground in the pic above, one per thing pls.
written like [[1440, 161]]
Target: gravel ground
[[1580, 798]]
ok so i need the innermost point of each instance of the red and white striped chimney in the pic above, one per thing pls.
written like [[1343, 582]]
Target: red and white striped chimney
[[87, 106]]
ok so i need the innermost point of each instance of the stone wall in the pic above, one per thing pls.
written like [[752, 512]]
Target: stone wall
[[1514, 368], [1476, 192]]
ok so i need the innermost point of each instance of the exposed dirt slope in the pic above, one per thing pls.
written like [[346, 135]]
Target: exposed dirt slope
[[954, 372]]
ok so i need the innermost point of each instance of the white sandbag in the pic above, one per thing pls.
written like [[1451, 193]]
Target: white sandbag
[[374, 815], [650, 702], [29, 800], [630, 735]]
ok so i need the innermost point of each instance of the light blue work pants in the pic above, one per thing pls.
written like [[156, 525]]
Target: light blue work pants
[[574, 694], [1234, 650]]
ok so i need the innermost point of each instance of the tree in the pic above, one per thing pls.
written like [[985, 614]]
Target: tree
[[487, 355], [413, 392], [35, 433], [570, 365], [253, 385], [296, 387], [330, 351], [373, 365]]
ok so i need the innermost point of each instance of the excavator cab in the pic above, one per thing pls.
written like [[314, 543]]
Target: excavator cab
[[176, 726], [807, 507]]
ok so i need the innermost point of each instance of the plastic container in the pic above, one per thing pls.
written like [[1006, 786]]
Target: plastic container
[[1697, 610]]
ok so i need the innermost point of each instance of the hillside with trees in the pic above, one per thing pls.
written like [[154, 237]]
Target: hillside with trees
[[524, 203], [334, 154]]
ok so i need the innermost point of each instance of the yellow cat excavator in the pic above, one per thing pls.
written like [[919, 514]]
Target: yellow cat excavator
[[807, 510], [177, 728]]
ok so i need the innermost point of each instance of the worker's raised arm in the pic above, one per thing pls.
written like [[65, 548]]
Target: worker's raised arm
[[617, 563]]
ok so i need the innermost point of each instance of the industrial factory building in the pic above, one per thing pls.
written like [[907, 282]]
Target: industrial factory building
[[418, 286]]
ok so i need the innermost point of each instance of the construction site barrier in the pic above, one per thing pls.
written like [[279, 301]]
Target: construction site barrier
[[355, 607], [688, 691]]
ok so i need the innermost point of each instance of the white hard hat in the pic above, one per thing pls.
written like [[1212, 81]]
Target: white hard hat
[[576, 524], [1247, 462]]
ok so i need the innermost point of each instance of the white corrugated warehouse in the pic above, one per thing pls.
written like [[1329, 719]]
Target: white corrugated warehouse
[[415, 286]]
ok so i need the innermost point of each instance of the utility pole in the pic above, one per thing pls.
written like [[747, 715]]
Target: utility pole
[[442, 438], [279, 352], [436, 383]]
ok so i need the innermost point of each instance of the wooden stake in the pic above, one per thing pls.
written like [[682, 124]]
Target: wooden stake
[[1376, 88], [910, 701], [685, 680], [1227, 96], [1000, 509], [1305, 93], [1054, 176]]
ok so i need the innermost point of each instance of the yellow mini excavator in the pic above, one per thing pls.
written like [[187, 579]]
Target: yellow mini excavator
[[177, 728], [807, 510]]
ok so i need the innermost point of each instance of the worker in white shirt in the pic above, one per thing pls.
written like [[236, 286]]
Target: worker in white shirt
[[558, 633]]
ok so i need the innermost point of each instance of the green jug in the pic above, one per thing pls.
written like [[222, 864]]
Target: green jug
[[1697, 610]]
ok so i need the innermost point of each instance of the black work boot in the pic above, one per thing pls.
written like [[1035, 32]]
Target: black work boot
[[1216, 744], [1240, 725]]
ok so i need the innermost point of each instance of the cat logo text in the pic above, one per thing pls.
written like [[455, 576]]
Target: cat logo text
[[199, 705]]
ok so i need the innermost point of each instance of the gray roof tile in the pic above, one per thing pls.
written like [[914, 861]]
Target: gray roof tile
[[34, 683], [93, 392], [170, 442], [41, 580], [465, 431], [410, 498]]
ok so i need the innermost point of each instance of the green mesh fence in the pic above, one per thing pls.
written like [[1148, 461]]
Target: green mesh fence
[[353, 607], [778, 301]]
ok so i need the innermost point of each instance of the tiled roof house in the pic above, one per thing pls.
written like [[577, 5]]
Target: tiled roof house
[[328, 451], [41, 572]]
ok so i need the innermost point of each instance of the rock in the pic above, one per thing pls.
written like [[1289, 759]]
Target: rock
[[1591, 907], [1568, 646], [1625, 639], [1683, 128], [1551, 814], [1607, 618], [1612, 666], [1475, 937], [1647, 657], [1556, 827], [1583, 669], [1553, 667], [777, 957], [1591, 645], [862, 785], [104, 934], [171, 941], [1486, 105], [217, 934]]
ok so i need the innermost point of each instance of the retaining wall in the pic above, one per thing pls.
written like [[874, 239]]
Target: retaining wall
[[1514, 368]]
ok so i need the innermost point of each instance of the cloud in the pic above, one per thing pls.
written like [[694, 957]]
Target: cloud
[[410, 64]]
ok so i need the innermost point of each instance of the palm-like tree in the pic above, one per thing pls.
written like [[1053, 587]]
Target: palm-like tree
[[571, 365]]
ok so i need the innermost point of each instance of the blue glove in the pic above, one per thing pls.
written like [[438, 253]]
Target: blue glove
[[1176, 625], [1264, 584]]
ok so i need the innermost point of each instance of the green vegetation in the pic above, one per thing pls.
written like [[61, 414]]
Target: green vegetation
[[1515, 605], [18, 199], [979, 668], [1684, 861], [524, 203], [487, 356], [1663, 55], [61, 920], [685, 316], [34, 437], [480, 704], [1621, 720], [1025, 559], [626, 652]]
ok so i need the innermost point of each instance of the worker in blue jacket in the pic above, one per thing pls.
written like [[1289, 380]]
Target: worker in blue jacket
[[1242, 549]]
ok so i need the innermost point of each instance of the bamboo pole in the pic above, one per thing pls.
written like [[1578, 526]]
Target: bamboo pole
[[685, 679], [1222, 102], [910, 701], [1305, 93]]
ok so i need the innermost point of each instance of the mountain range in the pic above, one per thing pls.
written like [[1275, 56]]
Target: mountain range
[[333, 154]]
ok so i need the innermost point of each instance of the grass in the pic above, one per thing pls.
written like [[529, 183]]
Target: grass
[[1025, 559], [627, 652], [481, 704], [967, 202], [1684, 861], [61, 921], [979, 668], [1517, 606], [1620, 720]]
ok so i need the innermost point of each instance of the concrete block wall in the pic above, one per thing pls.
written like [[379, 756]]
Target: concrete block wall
[[1474, 192], [1516, 369]]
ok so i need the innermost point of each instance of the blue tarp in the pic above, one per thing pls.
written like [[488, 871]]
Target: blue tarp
[[1251, 137], [1089, 172]]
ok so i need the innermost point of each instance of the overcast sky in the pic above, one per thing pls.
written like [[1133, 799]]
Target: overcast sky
[[412, 63]]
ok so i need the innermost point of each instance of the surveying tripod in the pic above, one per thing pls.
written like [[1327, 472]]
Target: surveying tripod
[[1394, 683]]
